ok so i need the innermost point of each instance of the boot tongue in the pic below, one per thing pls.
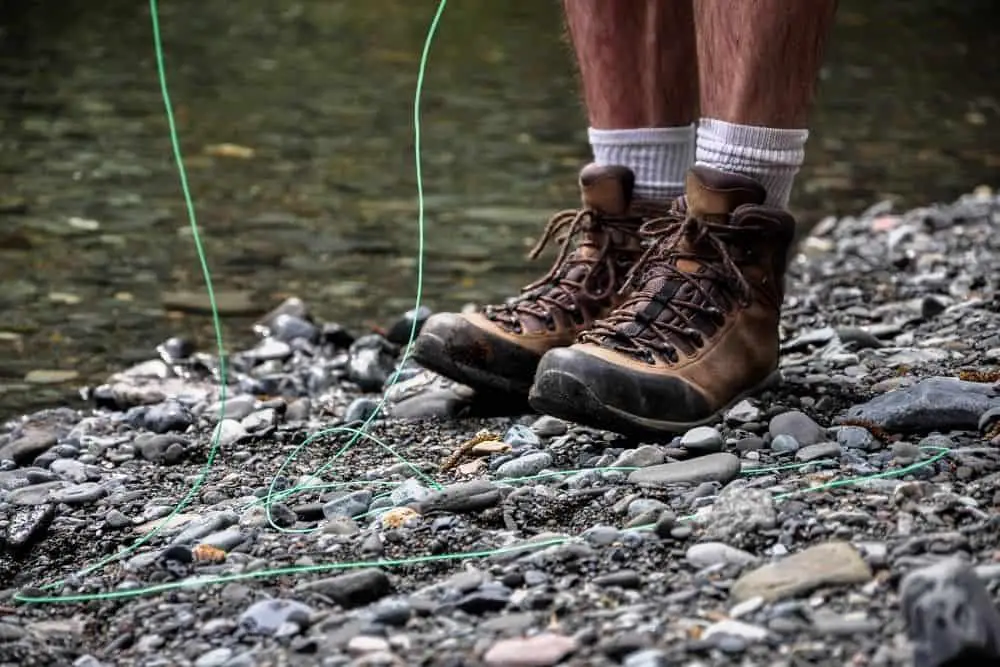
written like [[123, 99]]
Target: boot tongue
[[712, 192], [607, 189]]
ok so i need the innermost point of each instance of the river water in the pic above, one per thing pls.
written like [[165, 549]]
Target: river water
[[295, 120]]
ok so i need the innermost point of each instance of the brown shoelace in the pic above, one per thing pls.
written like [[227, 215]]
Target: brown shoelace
[[673, 239], [555, 290]]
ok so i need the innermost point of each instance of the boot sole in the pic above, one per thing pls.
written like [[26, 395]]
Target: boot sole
[[429, 351], [555, 390]]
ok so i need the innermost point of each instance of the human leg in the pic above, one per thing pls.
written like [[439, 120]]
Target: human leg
[[636, 60], [700, 330], [759, 62], [640, 85]]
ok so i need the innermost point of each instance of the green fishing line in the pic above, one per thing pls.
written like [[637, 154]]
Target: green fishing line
[[37, 595]]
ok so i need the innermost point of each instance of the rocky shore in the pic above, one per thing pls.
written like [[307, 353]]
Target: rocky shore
[[456, 534]]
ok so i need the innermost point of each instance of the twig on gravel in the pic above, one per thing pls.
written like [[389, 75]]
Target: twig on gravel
[[455, 457], [979, 376]]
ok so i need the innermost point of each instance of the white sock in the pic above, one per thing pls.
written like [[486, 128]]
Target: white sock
[[770, 155], [659, 156]]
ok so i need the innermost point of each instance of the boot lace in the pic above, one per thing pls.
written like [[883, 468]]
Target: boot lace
[[557, 289], [657, 275]]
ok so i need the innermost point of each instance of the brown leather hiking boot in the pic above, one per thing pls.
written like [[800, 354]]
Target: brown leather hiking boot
[[699, 332], [498, 349]]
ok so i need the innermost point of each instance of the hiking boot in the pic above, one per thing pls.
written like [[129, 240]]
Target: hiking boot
[[698, 332], [498, 348]]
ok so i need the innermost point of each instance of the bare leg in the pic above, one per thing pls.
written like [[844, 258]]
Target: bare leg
[[637, 64], [759, 61]]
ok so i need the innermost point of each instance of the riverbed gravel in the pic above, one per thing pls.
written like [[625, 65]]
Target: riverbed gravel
[[463, 530]]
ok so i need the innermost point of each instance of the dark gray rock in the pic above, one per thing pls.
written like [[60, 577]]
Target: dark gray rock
[[950, 617], [936, 403]]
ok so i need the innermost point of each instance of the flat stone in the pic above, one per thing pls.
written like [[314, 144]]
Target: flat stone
[[707, 554], [822, 450], [828, 564], [228, 302], [352, 589], [50, 376], [30, 444], [473, 496], [541, 650], [721, 467], [36, 494]]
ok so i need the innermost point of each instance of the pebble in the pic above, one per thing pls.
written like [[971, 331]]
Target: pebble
[[784, 444], [548, 427], [707, 554], [267, 616], [743, 412], [527, 465], [702, 439], [541, 650], [856, 437], [823, 450], [641, 457], [739, 510], [719, 467], [797, 425]]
